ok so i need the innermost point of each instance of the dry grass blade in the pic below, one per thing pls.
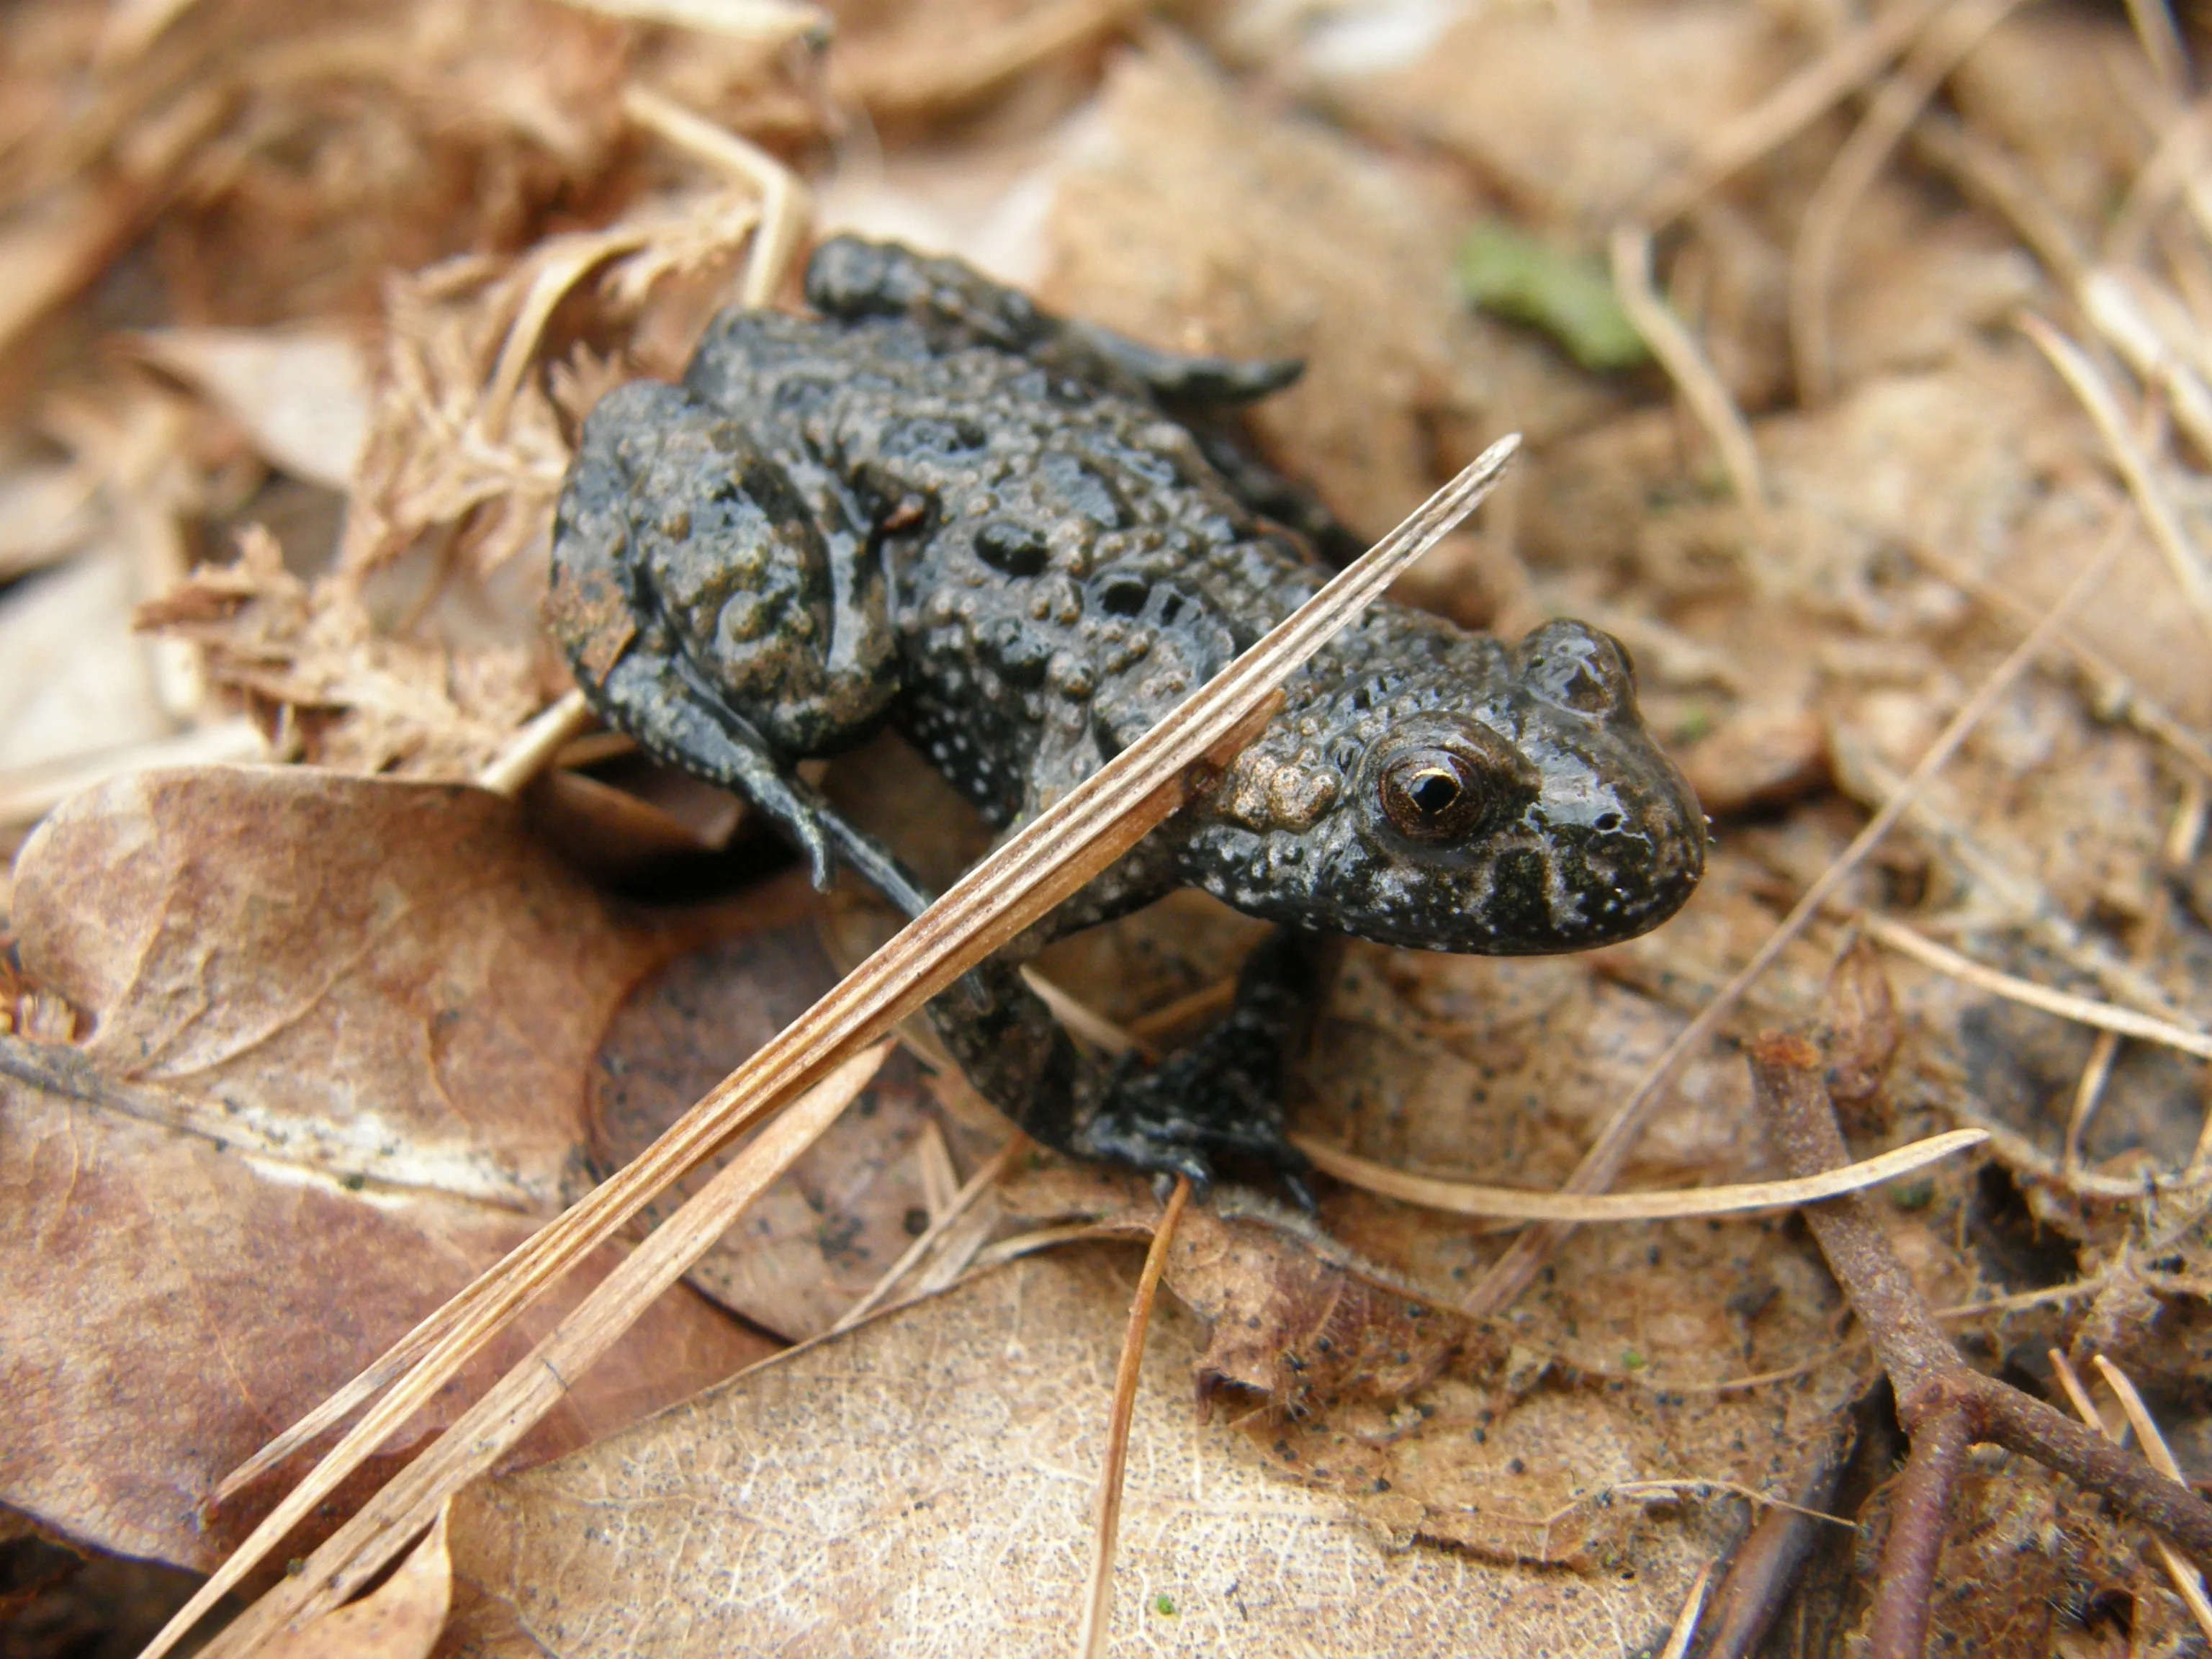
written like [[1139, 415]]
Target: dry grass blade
[[1895, 108], [1098, 1603], [987, 1176], [1685, 1622], [1686, 367], [775, 21], [1511, 1271], [2115, 689], [2161, 44], [2028, 993], [1806, 96], [2188, 1583], [1030, 872], [2096, 399], [1516, 1204], [2118, 314], [785, 205]]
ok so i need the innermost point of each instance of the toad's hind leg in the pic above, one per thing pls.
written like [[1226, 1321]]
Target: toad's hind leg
[[693, 594], [851, 279]]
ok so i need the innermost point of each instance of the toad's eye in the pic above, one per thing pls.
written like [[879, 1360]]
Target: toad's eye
[[1432, 792]]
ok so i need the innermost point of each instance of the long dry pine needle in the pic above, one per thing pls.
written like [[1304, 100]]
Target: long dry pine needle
[[1518, 1204], [1099, 1599], [2087, 1011], [1029, 874]]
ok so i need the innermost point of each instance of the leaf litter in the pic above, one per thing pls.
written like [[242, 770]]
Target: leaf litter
[[437, 244]]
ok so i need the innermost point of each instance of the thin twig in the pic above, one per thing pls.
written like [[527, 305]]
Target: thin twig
[[1919, 1518], [1098, 1602], [1520, 1204], [1764, 1570], [1509, 1274], [1812, 266], [1693, 377], [1931, 1382], [2097, 400]]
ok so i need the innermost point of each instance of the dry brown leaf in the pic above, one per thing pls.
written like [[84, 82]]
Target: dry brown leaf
[[73, 678], [339, 1037], [384, 980], [921, 1486]]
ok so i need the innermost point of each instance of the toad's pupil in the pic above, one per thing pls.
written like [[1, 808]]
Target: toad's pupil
[[1434, 792]]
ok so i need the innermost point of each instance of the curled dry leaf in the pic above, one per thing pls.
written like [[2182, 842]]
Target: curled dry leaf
[[339, 1032], [921, 1486]]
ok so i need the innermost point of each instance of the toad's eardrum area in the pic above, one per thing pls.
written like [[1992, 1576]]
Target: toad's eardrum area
[[1020, 540]]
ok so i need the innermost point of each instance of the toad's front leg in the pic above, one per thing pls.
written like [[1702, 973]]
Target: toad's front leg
[[1219, 1098], [707, 612]]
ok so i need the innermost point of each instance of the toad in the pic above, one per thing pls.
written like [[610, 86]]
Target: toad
[[1020, 539]]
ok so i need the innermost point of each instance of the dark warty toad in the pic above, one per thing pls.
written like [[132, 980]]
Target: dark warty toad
[[1020, 540]]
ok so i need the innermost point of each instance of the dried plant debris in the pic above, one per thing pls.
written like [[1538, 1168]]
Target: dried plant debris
[[331, 688], [333, 1038]]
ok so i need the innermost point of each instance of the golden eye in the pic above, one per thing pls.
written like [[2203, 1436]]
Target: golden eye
[[1432, 793]]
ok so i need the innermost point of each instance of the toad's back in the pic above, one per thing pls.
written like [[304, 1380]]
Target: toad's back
[[1061, 564]]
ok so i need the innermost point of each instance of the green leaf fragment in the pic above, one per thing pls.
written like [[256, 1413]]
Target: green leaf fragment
[[1515, 276]]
